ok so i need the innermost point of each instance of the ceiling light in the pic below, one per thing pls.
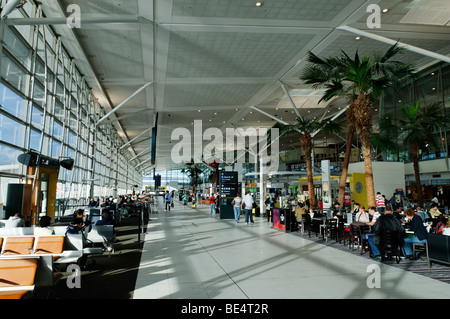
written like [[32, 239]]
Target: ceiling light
[[258, 4], [385, 10], [358, 38]]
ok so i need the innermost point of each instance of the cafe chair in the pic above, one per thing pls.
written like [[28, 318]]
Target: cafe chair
[[419, 248], [389, 245], [330, 229], [340, 229], [357, 234], [306, 224]]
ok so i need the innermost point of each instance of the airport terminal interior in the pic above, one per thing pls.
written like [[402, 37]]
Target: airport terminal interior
[[224, 149]]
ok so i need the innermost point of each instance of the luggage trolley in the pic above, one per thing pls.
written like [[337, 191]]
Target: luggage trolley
[[152, 205]]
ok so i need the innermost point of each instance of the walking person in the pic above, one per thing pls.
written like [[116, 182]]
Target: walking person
[[248, 206], [381, 202], [185, 200], [212, 203], [168, 200], [237, 201]]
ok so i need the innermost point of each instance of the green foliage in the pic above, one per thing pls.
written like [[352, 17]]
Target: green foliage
[[419, 122], [346, 76]]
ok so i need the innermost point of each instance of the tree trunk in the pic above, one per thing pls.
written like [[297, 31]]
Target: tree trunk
[[415, 157], [348, 149], [363, 117], [367, 156], [306, 142]]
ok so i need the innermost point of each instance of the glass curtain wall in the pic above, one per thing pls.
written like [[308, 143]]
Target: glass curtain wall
[[46, 106], [432, 85]]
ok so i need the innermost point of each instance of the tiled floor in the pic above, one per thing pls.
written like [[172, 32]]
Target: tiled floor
[[189, 254]]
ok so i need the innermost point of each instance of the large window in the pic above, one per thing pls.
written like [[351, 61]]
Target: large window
[[57, 120], [432, 85]]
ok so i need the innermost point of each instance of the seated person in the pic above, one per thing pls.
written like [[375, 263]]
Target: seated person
[[76, 227], [420, 233], [335, 209], [434, 211], [375, 215], [15, 221], [385, 222], [355, 209], [422, 213], [92, 203], [300, 210], [397, 211], [79, 213], [43, 228], [440, 226], [362, 216]]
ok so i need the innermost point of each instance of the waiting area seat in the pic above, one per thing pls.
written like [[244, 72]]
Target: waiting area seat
[[49, 245], [27, 262], [22, 245], [17, 277], [101, 235]]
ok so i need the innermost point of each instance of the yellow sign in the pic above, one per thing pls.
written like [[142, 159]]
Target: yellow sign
[[358, 188]]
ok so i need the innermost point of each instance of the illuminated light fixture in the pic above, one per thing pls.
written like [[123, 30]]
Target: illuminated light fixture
[[358, 38], [385, 10], [258, 4]]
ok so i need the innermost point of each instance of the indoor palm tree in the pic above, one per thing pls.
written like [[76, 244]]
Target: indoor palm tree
[[193, 171], [362, 80], [418, 124], [307, 128]]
